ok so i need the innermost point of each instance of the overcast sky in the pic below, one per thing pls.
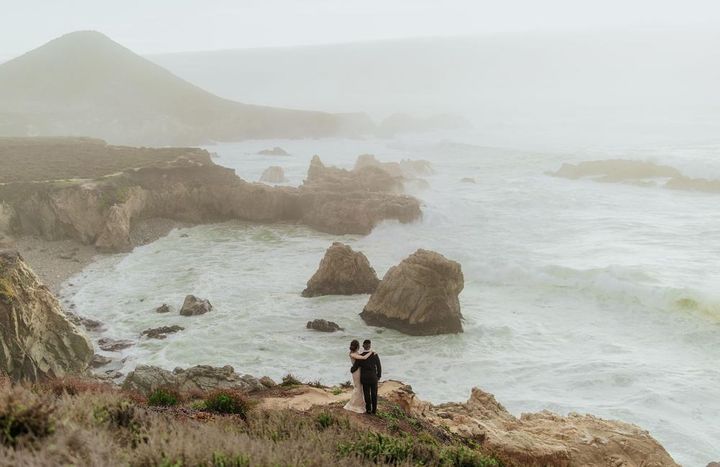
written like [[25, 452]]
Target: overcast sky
[[152, 26]]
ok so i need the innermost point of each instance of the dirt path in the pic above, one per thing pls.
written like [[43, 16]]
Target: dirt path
[[305, 397]]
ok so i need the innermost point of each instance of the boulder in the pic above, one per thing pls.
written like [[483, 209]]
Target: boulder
[[542, 438], [195, 306], [161, 332], [87, 323], [164, 308], [419, 296], [406, 168], [274, 174], [323, 325], [276, 151], [342, 271], [99, 360], [37, 340], [114, 345], [268, 382], [146, 379]]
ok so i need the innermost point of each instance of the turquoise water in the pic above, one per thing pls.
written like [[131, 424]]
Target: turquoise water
[[579, 296]]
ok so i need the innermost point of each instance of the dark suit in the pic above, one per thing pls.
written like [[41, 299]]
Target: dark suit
[[370, 373]]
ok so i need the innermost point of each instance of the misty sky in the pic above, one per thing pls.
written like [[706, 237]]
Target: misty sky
[[151, 26]]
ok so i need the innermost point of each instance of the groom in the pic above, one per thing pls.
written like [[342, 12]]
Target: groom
[[370, 373]]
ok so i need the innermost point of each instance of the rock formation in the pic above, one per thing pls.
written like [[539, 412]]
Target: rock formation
[[342, 271], [164, 308], [273, 174], [536, 439], [419, 296], [406, 168], [161, 332], [323, 325], [145, 379], [467, 180], [195, 306], [114, 345], [276, 151], [37, 341], [182, 185]]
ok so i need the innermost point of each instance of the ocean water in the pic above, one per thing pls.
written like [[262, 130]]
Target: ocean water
[[579, 296]]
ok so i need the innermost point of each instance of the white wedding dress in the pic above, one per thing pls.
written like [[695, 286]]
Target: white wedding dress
[[357, 399]]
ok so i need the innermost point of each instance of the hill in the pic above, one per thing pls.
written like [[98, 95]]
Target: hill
[[85, 84]]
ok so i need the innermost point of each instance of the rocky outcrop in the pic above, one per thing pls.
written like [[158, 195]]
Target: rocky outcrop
[[191, 189], [342, 271], [145, 379], [537, 439], [161, 332], [323, 325], [193, 306], [273, 174], [419, 296], [341, 201], [276, 151], [406, 168], [37, 341], [164, 308]]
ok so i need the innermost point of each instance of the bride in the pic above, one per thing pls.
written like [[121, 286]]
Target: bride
[[357, 399]]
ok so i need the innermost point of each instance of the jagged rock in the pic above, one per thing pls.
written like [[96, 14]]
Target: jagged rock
[[195, 306], [114, 345], [419, 296], [274, 174], [164, 308], [99, 360], [342, 271], [146, 378], [542, 438], [467, 180], [37, 341], [162, 331], [364, 178], [87, 323], [714, 464], [276, 151], [406, 168], [323, 325], [267, 381]]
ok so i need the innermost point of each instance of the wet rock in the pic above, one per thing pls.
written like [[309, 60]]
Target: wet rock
[[267, 381], [37, 340], [87, 323], [162, 331], [323, 325], [342, 271], [274, 174], [99, 360], [193, 306], [467, 180], [419, 296], [164, 308], [114, 345], [276, 151], [146, 378]]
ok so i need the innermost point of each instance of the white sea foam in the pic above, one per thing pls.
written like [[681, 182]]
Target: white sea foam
[[579, 296]]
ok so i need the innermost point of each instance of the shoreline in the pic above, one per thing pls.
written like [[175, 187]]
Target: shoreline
[[56, 261]]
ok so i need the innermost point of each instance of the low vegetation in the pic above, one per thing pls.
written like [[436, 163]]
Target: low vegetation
[[76, 422]]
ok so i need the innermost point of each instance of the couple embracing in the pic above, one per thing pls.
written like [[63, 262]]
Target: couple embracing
[[366, 372]]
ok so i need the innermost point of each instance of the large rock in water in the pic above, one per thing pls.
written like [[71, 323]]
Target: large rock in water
[[37, 341], [419, 296], [342, 271], [273, 174], [146, 379], [535, 439], [195, 306]]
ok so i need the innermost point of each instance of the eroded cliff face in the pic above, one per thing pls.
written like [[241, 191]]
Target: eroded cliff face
[[195, 190], [537, 439], [36, 339]]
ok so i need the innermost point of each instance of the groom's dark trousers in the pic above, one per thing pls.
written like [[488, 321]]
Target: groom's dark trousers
[[370, 374]]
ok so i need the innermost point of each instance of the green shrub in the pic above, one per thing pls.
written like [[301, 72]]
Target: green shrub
[[163, 397], [346, 385], [378, 448], [460, 456], [316, 384], [227, 401], [24, 414], [289, 380], [337, 391], [325, 420]]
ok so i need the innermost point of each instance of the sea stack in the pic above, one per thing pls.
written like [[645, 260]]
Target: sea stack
[[342, 271], [37, 339], [419, 296]]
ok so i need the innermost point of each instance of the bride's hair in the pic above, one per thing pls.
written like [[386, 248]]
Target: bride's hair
[[354, 345]]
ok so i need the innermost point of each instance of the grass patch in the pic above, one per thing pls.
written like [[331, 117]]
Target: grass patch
[[24, 415], [289, 381], [164, 397], [228, 402]]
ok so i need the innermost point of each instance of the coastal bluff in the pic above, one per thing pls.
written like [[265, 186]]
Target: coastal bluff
[[99, 203]]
